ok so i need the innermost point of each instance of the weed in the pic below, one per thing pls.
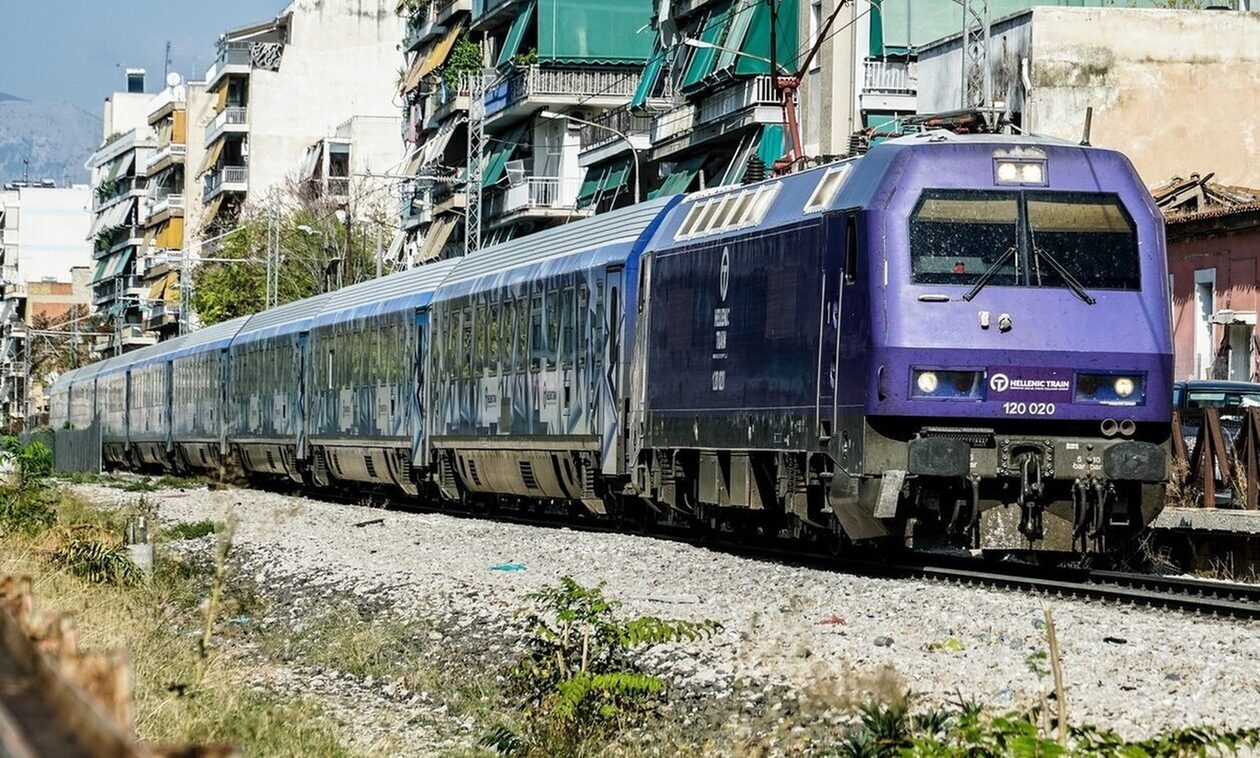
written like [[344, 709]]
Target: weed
[[579, 679], [98, 561], [192, 530]]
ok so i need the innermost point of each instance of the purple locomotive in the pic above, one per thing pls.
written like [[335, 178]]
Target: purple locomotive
[[953, 340]]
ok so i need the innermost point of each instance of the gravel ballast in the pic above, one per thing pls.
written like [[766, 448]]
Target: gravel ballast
[[790, 635]]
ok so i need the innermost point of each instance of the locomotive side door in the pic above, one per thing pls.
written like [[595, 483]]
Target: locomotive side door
[[419, 415], [831, 275], [609, 355]]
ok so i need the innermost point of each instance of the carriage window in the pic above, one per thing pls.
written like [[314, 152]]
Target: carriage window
[[536, 347], [466, 344], [827, 188], [583, 318], [479, 332], [508, 335], [522, 334], [492, 339], [553, 327], [567, 316], [598, 331]]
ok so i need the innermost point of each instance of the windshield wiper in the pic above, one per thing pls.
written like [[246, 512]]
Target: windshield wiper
[[990, 272], [1071, 281]]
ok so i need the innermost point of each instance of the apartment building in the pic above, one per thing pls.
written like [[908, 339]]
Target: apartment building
[[280, 86], [45, 279], [119, 214], [540, 70]]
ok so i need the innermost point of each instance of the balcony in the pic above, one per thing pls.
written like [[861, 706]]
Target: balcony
[[491, 14], [157, 264], [233, 58], [414, 206], [540, 197], [134, 335], [171, 205], [449, 98], [159, 314], [109, 193], [599, 143], [448, 8], [167, 155], [531, 86], [225, 179], [744, 103], [231, 120], [889, 85]]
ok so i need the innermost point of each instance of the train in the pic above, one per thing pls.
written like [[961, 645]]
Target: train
[[951, 341]]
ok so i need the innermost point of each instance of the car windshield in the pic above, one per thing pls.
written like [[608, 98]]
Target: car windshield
[[1223, 399], [1027, 239]]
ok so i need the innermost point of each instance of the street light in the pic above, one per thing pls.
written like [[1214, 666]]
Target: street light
[[633, 150]]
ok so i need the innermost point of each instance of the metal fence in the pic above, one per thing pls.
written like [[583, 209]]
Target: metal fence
[[1217, 456], [74, 450]]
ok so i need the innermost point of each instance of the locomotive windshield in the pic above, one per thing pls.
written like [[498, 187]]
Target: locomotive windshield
[[1023, 239]]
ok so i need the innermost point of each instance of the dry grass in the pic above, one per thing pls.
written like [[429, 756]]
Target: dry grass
[[156, 623]]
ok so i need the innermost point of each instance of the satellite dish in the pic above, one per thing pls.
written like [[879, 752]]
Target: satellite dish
[[173, 79]]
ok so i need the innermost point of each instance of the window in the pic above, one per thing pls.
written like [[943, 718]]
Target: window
[[583, 318], [1026, 239], [553, 328], [493, 347], [479, 332], [815, 25], [567, 334], [522, 333], [850, 250], [728, 211], [466, 344], [828, 186], [537, 346]]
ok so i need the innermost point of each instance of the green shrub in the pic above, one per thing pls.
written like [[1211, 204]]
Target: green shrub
[[97, 561], [579, 680]]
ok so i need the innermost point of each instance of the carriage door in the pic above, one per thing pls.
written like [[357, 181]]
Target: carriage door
[[834, 241], [610, 353], [418, 415], [299, 410]]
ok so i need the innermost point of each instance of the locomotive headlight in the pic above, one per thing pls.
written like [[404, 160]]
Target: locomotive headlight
[[927, 382], [947, 384], [1027, 171], [1110, 389]]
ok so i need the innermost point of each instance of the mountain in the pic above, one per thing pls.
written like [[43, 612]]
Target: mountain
[[56, 137]]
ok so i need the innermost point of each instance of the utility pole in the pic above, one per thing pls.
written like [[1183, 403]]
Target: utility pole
[[476, 146], [975, 51]]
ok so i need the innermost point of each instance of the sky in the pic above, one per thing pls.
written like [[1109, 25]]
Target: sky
[[76, 50]]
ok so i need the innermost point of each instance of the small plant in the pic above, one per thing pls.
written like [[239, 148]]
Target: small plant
[[192, 531], [579, 678], [97, 561]]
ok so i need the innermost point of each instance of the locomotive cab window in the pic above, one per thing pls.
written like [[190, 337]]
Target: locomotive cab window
[[1023, 239]]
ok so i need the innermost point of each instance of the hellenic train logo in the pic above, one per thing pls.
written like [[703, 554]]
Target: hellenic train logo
[[999, 382], [724, 276]]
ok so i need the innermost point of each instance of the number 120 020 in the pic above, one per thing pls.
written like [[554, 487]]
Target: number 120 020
[[1028, 409]]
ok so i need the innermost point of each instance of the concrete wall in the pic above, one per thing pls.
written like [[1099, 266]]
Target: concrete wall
[[829, 91], [125, 111], [341, 61], [1175, 90], [1226, 263], [200, 111], [52, 226]]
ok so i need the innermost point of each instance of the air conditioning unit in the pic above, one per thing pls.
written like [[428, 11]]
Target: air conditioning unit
[[515, 173]]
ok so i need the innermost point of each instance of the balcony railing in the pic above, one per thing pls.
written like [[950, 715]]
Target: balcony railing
[[892, 77], [167, 203], [745, 94], [672, 123], [107, 193], [227, 175], [233, 115], [542, 192], [620, 120], [169, 150], [537, 81]]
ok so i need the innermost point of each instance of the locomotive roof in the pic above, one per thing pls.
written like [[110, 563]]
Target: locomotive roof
[[405, 290]]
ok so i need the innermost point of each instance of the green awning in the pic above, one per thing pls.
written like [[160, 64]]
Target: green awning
[[582, 31], [771, 146], [742, 14], [591, 184], [648, 81], [120, 263], [100, 268], [703, 58], [756, 40], [618, 175], [504, 147], [516, 33], [680, 178]]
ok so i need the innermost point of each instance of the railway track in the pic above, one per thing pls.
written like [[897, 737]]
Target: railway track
[[1177, 593]]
